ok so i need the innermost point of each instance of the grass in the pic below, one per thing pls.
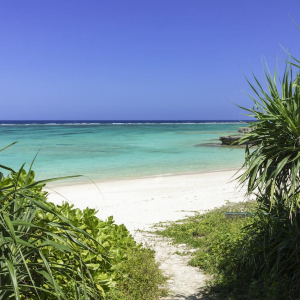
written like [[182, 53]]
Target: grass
[[240, 254], [210, 233], [184, 253], [216, 239], [145, 280]]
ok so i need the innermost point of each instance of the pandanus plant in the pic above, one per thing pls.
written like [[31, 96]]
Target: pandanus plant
[[269, 250], [273, 164]]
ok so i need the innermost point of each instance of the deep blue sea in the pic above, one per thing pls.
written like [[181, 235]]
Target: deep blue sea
[[106, 150]]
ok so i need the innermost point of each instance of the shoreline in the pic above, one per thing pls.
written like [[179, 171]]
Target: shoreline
[[140, 203], [88, 180]]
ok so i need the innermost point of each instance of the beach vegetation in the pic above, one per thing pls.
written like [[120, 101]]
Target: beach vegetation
[[257, 257], [271, 250], [253, 257], [215, 239], [274, 164], [50, 251]]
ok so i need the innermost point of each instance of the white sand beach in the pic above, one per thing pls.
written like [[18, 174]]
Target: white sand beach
[[139, 203]]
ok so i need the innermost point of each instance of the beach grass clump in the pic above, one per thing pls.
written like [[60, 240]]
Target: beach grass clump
[[50, 251], [269, 254], [143, 281], [255, 257], [216, 238], [211, 233]]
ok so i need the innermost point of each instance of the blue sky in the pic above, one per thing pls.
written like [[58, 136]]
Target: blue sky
[[155, 59]]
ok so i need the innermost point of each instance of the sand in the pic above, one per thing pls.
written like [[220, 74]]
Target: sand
[[140, 203]]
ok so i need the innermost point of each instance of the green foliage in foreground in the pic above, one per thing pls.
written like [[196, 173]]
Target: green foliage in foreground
[[144, 281], [259, 257], [28, 250], [58, 252], [256, 257], [267, 252], [275, 163], [128, 271]]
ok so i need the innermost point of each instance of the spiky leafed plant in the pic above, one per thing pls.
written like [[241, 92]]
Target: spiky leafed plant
[[28, 268], [274, 161]]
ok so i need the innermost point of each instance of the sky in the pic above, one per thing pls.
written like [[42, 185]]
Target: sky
[[138, 60]]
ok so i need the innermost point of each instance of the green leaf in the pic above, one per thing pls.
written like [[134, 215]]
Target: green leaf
[[13, 277]]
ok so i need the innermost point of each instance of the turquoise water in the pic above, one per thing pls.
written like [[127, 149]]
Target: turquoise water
[[110, 151]]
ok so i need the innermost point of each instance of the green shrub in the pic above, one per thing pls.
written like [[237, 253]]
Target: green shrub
[[144, 279], [52, 251], [109, 245], [269, 251], [129, 270]]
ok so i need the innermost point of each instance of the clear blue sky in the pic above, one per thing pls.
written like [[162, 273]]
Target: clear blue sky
[[155, 59]]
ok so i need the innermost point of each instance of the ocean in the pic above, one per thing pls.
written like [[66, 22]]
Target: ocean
[[109, 150]]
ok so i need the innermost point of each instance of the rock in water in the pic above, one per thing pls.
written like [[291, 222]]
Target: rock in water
[[228, 140], [245, 129], [231, 139]]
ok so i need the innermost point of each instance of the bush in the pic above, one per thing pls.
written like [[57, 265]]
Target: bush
[[144, 279], [128, 271], [52, 251], [269, 252]]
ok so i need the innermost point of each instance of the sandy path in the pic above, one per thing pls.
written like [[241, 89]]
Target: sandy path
[[184, 281], [139, 203]]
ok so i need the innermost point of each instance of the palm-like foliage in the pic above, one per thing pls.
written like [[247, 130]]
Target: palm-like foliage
[[270, 249], [274, 162], [27, 266]]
